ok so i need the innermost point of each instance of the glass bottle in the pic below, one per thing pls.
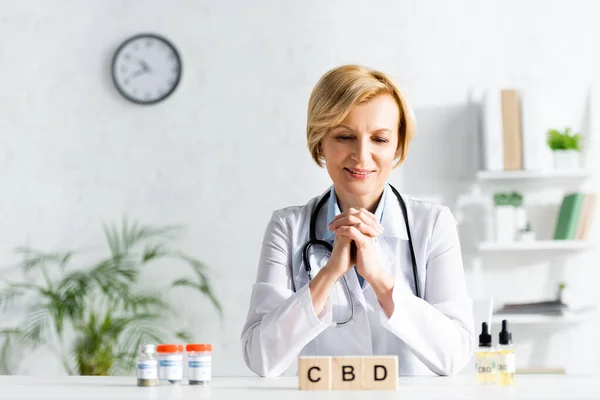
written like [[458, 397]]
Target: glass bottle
[[505, 357], [485, 358], [147, 366]]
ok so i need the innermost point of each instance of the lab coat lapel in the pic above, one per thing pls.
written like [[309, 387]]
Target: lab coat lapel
[[392, 245], [394, 233], [392, 218]]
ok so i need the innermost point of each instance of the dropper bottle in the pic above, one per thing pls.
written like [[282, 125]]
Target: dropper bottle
[[485, 358], [505, 361]]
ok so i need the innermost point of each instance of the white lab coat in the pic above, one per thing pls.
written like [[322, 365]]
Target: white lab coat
[[430, 335]]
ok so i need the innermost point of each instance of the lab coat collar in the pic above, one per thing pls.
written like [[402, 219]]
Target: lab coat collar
[[388, 212], [393, 219]]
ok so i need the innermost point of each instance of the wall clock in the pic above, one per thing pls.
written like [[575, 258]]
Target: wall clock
[[146, 68]]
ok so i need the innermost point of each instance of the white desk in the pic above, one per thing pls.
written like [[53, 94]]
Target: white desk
[[544, 387]]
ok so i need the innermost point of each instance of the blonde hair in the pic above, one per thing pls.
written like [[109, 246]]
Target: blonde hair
[[341, 89]]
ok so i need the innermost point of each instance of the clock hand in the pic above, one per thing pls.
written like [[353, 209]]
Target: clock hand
[[145, 66], [137, 73]]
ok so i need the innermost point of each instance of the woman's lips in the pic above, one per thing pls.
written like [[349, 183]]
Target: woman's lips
[[357, 173]]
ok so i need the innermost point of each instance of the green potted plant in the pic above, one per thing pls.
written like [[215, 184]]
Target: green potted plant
[[93, 318], [508, 215], [560, 294], [566, 148], [526, 234]]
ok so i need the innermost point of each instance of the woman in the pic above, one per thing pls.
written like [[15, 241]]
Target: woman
[[365, 297]]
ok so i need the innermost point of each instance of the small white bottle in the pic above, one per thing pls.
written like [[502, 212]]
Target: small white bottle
[[147, 366], [199, 363], [485, 358], [170, 360]]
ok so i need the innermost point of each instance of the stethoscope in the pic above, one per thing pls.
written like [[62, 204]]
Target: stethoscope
[[314, 242]]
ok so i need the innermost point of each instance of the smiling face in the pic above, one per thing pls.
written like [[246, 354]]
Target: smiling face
[[359, 153]]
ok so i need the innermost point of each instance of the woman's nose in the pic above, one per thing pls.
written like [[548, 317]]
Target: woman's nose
[[362, 150]]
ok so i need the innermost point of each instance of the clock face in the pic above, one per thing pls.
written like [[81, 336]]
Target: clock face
[[146, 69]]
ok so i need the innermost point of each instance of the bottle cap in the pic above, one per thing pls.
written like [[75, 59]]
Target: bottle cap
[[198, 347], [485, 339], [147, 348], [505, 337], [169, 348]]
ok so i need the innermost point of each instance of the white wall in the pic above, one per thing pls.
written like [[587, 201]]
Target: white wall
[[228, 147]]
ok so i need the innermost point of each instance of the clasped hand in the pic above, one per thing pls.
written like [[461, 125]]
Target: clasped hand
[[355, 232]]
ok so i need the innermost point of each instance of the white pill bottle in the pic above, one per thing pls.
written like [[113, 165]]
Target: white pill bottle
[[199, 363], [170, 363]]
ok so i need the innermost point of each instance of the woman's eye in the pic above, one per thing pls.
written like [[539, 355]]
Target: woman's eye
[[381, 140], [343, 137]]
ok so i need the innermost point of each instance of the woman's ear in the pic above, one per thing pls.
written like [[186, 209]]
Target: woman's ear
[[322, 160]]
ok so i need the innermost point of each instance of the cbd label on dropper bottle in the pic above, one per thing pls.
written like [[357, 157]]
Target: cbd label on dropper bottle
[[485, 357], [505, 360]]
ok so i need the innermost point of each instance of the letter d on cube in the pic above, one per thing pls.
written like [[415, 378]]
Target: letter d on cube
[[381, 372]]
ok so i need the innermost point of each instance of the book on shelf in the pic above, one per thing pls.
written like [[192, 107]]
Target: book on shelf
[[511, 130], [587, 216], [493, 149], [502, 133], [551, 307], [575, 216], [533, 135]]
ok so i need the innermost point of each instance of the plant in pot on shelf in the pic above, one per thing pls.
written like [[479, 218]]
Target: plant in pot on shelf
[[526, 234], [94, 318], [509, 215], [560, 293], [566, 148]]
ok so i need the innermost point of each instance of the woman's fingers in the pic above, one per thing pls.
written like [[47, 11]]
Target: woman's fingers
[[366, 215], [362, 213], [353, 233], [352, 220], [354, 217]]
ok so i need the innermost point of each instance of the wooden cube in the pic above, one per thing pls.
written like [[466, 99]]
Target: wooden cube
[[380, 372], [314, 373], [347, 373]]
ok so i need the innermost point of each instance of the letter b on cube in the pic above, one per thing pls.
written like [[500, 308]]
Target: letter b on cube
[[347, 373]]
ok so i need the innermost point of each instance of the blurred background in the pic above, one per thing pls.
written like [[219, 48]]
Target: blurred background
[[505, 97]]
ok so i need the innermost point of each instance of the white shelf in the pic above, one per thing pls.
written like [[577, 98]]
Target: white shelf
[[526, 175], [537, 319], [536, 245]]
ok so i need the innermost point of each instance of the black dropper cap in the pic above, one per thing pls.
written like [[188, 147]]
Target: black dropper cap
[[485, 339], [505, 337]]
